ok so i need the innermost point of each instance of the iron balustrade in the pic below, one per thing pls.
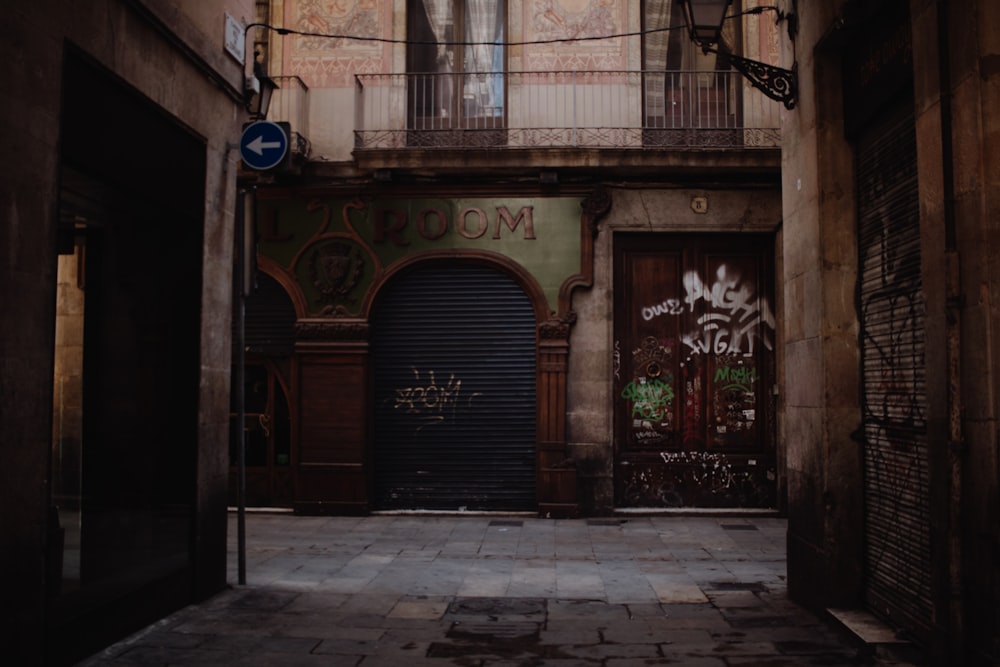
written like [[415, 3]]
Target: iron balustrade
[[563, 109], [290, 103]]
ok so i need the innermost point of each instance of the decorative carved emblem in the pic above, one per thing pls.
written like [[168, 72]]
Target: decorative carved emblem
[[335, 269]]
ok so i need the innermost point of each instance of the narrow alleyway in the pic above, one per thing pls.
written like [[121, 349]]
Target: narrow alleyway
[[491, 591]]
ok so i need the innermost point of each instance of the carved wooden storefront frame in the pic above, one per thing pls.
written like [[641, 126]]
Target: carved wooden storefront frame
[[331, 371]]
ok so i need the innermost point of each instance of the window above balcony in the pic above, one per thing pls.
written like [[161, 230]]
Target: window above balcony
[[458, 93], [456, 58]]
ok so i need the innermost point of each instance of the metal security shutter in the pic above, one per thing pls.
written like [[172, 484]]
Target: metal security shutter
[[269, 327], [894, 385], [454, 355]]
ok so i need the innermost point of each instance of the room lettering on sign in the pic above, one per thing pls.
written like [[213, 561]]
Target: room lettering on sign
[[393, 225]]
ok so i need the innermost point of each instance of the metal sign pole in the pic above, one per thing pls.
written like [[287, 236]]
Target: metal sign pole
[[246, 213]]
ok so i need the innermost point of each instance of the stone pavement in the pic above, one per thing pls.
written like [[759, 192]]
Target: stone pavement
[[499, 591]]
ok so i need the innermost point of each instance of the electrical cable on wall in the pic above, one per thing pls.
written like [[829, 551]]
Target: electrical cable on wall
[[556, 40], [417, 42]]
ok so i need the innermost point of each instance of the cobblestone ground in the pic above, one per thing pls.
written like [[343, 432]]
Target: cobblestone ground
[[482, 591]]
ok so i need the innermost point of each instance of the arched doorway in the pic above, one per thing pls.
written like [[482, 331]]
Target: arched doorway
[[269, 344], [454, 348]]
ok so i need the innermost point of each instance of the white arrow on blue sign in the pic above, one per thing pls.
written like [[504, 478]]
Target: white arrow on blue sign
[[263, 145]]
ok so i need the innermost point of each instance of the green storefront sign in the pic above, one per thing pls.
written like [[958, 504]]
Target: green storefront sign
[[337, 250]]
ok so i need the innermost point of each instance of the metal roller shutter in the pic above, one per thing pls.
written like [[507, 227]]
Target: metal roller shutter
[[894, 376], [269, 327], [454, 355]]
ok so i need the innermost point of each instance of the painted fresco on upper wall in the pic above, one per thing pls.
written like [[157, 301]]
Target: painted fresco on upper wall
[[326, 62], [331, 62], [570, 19]]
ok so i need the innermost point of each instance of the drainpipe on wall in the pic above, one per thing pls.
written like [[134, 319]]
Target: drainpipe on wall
[[953, 330]]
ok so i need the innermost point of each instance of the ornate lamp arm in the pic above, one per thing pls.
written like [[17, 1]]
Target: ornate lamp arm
[[776, 82]]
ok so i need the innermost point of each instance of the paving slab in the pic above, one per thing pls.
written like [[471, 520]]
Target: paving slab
[[499, 591]]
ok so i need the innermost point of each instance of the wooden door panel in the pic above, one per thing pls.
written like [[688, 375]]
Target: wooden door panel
[[694, 364], [733, 333], [647, 391]]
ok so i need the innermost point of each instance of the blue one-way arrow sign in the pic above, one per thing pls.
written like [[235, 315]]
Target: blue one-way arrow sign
[[263, 145]]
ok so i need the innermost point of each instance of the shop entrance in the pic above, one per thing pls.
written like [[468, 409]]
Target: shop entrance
[[694, 371], [454, 358], [267, 433], [269, 342]]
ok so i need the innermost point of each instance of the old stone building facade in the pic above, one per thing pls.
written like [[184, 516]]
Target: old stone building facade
[[889, 210], [541, 256], [627, 186], [118, 198], [860, 399]]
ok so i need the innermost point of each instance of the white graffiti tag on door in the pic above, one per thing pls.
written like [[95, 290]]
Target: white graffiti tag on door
[[735, 316]]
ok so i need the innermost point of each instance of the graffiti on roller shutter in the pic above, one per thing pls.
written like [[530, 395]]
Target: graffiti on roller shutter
[[432, 401]]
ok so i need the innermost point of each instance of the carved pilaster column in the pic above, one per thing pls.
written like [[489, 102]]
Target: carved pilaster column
[[557, 474], [557, 487], [330, 436]]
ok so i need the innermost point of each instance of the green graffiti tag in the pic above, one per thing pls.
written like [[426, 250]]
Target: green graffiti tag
[[736, 377], [650, 398]]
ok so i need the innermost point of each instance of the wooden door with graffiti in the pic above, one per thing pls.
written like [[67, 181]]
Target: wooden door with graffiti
[[694, 371]]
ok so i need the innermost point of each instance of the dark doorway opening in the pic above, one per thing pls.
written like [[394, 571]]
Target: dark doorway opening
[[127, 363]]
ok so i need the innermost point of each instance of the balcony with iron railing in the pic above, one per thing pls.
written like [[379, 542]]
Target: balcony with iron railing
[[634, 111], [290, 104]]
